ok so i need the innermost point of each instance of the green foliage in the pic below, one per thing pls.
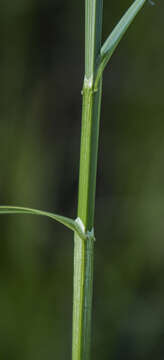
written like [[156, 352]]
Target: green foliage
[[116, 35], [69, 223], [106, 52]]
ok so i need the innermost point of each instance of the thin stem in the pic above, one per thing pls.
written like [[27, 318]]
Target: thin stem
[[83, 253], [93, 30], [96, 59], [88, 156], [83, 283]]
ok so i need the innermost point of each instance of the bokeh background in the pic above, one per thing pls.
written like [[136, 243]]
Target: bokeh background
[[41, 72]]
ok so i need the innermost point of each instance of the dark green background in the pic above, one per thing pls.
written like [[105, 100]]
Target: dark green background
[[41, 72]]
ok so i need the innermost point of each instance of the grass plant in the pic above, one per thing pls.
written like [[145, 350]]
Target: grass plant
[[97, 56]]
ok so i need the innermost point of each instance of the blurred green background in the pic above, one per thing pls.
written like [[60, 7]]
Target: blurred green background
[[41, 71]]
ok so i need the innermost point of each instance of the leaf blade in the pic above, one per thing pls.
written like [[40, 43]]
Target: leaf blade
[[116, 35], [68, 222]]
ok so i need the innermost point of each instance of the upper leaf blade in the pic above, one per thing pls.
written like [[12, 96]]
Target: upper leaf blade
[[116, 35]]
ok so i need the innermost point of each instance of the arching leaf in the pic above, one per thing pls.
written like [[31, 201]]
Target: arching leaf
[[116, 35], [69, 223]]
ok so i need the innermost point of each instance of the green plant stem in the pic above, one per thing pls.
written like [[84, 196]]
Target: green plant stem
[[83, 252], [83, 284], [96, 58], [88, 156]]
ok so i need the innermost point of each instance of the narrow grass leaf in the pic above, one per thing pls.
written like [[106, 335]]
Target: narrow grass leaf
[[69, 223], [116, 35]]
